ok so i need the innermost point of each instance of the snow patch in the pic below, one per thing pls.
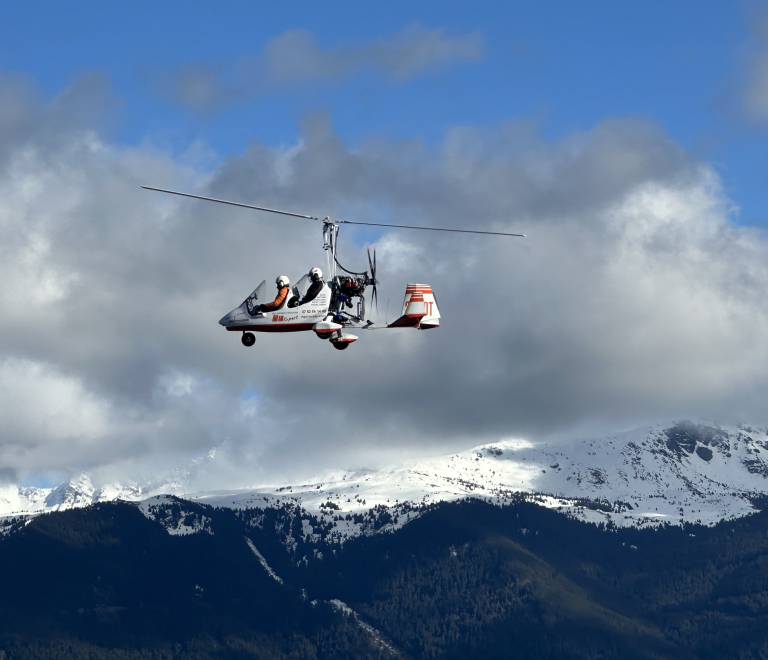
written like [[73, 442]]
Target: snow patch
[[263, 561], [378, 638]]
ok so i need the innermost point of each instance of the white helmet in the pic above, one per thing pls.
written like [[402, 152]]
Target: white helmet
[[282, 281], [316, 274]]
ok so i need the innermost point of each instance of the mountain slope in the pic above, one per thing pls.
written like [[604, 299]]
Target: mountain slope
[[88, 581], [464, 579]]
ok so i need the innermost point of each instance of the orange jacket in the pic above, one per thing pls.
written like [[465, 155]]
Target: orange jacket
[[281, 296]]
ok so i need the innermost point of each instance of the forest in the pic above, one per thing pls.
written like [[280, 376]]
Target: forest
[[464, 579]]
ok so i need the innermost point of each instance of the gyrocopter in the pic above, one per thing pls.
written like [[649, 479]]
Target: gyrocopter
[[330, 306]]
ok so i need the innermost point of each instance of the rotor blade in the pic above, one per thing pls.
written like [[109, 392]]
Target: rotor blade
[[346, 222], [224, 201], [457, 231], [370, 264]]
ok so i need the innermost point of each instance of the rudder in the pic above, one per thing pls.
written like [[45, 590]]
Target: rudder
[[419, 308]]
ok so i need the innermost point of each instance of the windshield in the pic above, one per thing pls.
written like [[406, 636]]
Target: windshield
[[258, 292], [302, 286], [253, 301]]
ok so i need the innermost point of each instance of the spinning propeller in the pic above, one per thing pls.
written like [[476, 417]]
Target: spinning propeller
[[374, 281]]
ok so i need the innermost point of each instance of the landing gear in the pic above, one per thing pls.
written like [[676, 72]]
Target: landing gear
[[341, 340], [249, 339], [324, 335]]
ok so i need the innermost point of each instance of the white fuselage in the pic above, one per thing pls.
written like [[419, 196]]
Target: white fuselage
[[285, 319]]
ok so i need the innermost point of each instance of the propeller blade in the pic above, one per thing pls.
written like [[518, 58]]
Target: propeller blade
[[375, 280]]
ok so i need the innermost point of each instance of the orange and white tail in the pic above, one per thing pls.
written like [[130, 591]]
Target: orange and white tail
[[419, 309]]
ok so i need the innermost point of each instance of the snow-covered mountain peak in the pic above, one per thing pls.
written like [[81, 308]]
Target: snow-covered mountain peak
[[669, 472], [672, 473], [73, 493]]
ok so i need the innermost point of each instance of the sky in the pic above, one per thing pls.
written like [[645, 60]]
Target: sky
[[627, 141]]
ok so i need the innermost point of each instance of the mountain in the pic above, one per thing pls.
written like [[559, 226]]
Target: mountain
[[104, 581], [671, 473], [465, 579], [80, 491], [487, 566]]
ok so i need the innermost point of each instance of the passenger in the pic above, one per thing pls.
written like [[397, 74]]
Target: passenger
[[316, 275], [283, 288]]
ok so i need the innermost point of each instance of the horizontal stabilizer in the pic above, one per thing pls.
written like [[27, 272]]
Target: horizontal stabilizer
[[404, 322]]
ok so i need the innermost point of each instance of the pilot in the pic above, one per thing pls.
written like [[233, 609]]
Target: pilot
[[283, 287], [316, 275]]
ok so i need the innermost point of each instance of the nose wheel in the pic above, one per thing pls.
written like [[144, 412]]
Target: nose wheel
[[249, 339]]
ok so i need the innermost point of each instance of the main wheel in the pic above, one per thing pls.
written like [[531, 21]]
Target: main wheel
[[324, 335], [340, 345], [248, 339]]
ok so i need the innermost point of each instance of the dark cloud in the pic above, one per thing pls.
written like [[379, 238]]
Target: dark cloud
[[754, 94], [8, 476], [634, 297], [296, 55], [295, 58]]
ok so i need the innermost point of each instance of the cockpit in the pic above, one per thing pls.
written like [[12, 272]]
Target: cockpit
[[297, 293]]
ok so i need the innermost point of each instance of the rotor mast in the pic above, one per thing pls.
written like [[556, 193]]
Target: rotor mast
[[330, 236]]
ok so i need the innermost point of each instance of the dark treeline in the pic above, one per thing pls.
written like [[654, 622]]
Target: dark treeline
[[465, 579]]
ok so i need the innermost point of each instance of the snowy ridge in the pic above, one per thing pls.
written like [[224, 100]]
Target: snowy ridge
[[74, 493], [174, 517], [80, 491], [673, 473]]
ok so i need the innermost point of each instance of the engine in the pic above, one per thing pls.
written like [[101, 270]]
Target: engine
[[347, 287], [351, 286]]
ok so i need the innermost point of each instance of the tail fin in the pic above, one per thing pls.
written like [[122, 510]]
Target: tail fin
[[419, 309]]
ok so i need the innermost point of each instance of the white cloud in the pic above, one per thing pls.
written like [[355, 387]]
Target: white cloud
[[41, 407], [177, 384]]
